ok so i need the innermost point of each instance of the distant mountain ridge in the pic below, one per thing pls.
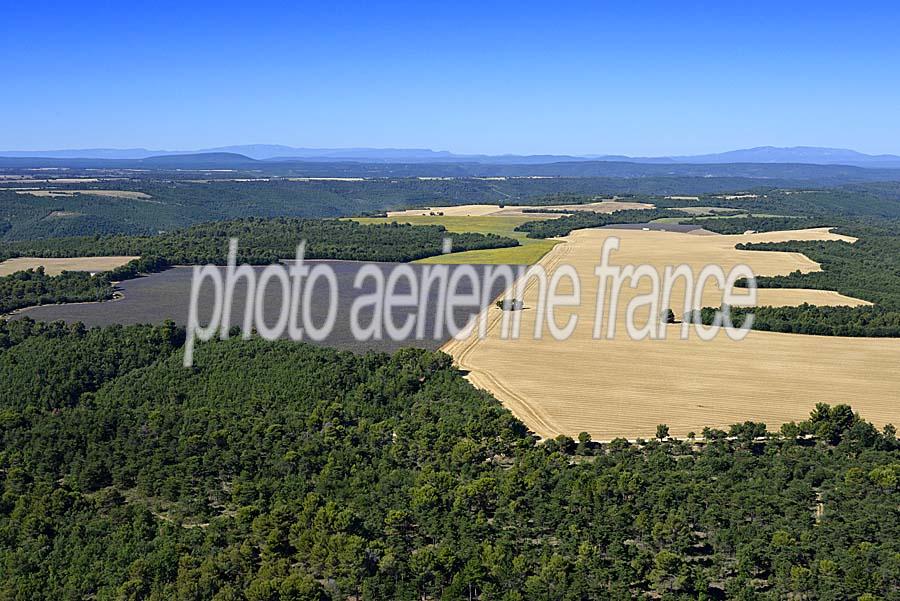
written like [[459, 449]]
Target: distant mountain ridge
[[768, 174], [796, 154], [274, 152]]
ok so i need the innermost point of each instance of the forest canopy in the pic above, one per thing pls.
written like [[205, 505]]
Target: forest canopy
[[275, 470], [263, 241]]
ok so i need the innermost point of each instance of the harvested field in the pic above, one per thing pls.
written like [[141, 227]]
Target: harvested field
[[130, 194], [484, 210], [457, 211], [57, 266], [621, 387]]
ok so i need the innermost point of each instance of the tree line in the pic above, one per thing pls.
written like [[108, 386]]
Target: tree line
[[862, 321], [264, 241]]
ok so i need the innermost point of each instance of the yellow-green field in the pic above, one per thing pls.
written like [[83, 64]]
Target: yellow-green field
[[530, 250]]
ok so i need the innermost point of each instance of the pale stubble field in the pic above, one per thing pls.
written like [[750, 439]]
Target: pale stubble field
[[620, 387]]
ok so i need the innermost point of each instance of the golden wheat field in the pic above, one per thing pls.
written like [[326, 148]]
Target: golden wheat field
[[57, 266], [620, 387]]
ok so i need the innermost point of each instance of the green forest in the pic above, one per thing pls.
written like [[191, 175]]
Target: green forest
[[34, 287], [867, 321], [876, 201], [276, 471], [740, 225], [263, 241], [179, 202], [174, 200]]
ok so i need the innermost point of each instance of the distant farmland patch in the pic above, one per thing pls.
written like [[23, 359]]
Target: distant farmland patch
[[57, 266], [534, 211], [129, 194]]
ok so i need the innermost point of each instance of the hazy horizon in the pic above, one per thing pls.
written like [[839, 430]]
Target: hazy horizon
[[509, 78], [362, 148]]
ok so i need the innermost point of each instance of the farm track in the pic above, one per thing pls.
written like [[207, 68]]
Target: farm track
[[461, 349]]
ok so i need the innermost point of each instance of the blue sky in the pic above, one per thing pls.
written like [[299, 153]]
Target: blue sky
[[636, 78]]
